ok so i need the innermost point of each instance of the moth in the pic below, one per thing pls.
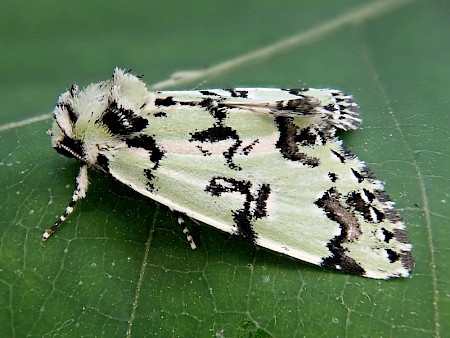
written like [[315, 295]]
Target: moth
[[264, 164]]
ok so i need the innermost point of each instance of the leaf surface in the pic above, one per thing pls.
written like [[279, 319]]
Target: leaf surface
[[121, 266]]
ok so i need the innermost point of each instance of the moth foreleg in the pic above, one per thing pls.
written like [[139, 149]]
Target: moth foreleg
[[82, 183]]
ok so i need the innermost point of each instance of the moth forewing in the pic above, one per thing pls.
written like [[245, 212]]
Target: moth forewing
[[261, 163]]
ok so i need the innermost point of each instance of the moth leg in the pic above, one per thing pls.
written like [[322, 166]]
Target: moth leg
[[82, 183], [182, 223]]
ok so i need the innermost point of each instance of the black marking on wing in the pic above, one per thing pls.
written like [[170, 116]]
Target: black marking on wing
[[310, 136], [304, 104], [370, 196], [246, 150], [155, 154], [392, 255], [350, 231], [160, 114], [345, 107], [220, 133], [388, 235], [287, 143], [261, 201], [103, 162], [390, 213], [122, 121], [297, 91], [148, 143], [333, 177], [150, 177], [205, 152], [339, 156], [215, 109], [207, 92], [215, 134], [166, 102], [331, 108], [355, 200], [242, 217], [237, 93], [393, 216], [358, 175]]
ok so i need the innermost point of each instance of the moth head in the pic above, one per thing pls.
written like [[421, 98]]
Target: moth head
[[63, 132], [99, 116]]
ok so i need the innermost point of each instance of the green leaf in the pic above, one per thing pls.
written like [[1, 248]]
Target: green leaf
[[121, 266]]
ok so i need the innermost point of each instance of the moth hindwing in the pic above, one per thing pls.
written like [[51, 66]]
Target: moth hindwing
[[261, 163]]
